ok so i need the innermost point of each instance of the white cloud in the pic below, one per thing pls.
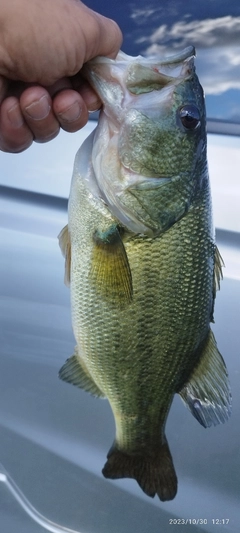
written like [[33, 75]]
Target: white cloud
[[204, 33], [217, 69], [142, 13]]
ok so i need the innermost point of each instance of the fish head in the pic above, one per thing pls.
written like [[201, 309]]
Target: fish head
[[149, 152]]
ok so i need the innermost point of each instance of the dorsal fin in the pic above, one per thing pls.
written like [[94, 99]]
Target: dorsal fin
[[65, 246], [218, 273], [217, 277]]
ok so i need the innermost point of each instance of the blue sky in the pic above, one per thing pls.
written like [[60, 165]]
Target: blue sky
[[212, 26]]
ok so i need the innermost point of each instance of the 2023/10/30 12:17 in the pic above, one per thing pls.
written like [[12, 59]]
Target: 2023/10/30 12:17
[[198, 521]]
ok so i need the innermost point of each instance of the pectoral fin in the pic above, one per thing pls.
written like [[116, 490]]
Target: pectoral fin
[[73, 372], [207, 393], [110, 270], [65, 246]]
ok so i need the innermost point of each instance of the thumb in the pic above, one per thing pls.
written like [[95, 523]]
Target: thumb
[[103, 36], [110, 38]]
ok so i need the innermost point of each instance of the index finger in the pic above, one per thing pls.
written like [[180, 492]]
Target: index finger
[[3, 88]]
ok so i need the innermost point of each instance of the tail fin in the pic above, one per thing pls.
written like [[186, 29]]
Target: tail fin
[[155, 474]]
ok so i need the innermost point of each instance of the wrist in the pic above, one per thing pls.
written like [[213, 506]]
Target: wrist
[[10, 33]]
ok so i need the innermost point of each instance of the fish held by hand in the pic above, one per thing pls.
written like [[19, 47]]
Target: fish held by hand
[[142, 263]]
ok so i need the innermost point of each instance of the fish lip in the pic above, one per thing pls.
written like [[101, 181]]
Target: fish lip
[[180, 57]]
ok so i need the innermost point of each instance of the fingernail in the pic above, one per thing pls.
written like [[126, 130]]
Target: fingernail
[[15, 116], [94, 110], [93, 105], [39, 110], [47, 138], [71, 114]]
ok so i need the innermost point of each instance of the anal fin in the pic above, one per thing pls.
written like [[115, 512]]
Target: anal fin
[[207, 393], [73, 372]]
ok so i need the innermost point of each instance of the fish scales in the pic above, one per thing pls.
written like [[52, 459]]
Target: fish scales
[[174, 303], [142, 265]]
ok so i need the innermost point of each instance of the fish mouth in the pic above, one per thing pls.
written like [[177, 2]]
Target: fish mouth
[[137, 75]]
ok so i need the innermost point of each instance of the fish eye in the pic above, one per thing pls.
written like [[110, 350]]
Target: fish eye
[[189, 116]]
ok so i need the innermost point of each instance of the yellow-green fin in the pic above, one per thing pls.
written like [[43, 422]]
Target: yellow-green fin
[[73, 372], [65, 246], [110, 271], [207, 393]]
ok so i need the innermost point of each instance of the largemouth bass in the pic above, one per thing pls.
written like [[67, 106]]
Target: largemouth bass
[[142, 262]]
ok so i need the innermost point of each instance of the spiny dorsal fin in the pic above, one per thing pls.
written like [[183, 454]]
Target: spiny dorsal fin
[[218, 274], [65, 246], [110, 270], [73, 372], [207, 393]]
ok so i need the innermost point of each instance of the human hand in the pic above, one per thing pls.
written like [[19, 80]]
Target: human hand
[[43, 46]]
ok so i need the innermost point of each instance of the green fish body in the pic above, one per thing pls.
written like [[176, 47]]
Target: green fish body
[[142, 263]]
